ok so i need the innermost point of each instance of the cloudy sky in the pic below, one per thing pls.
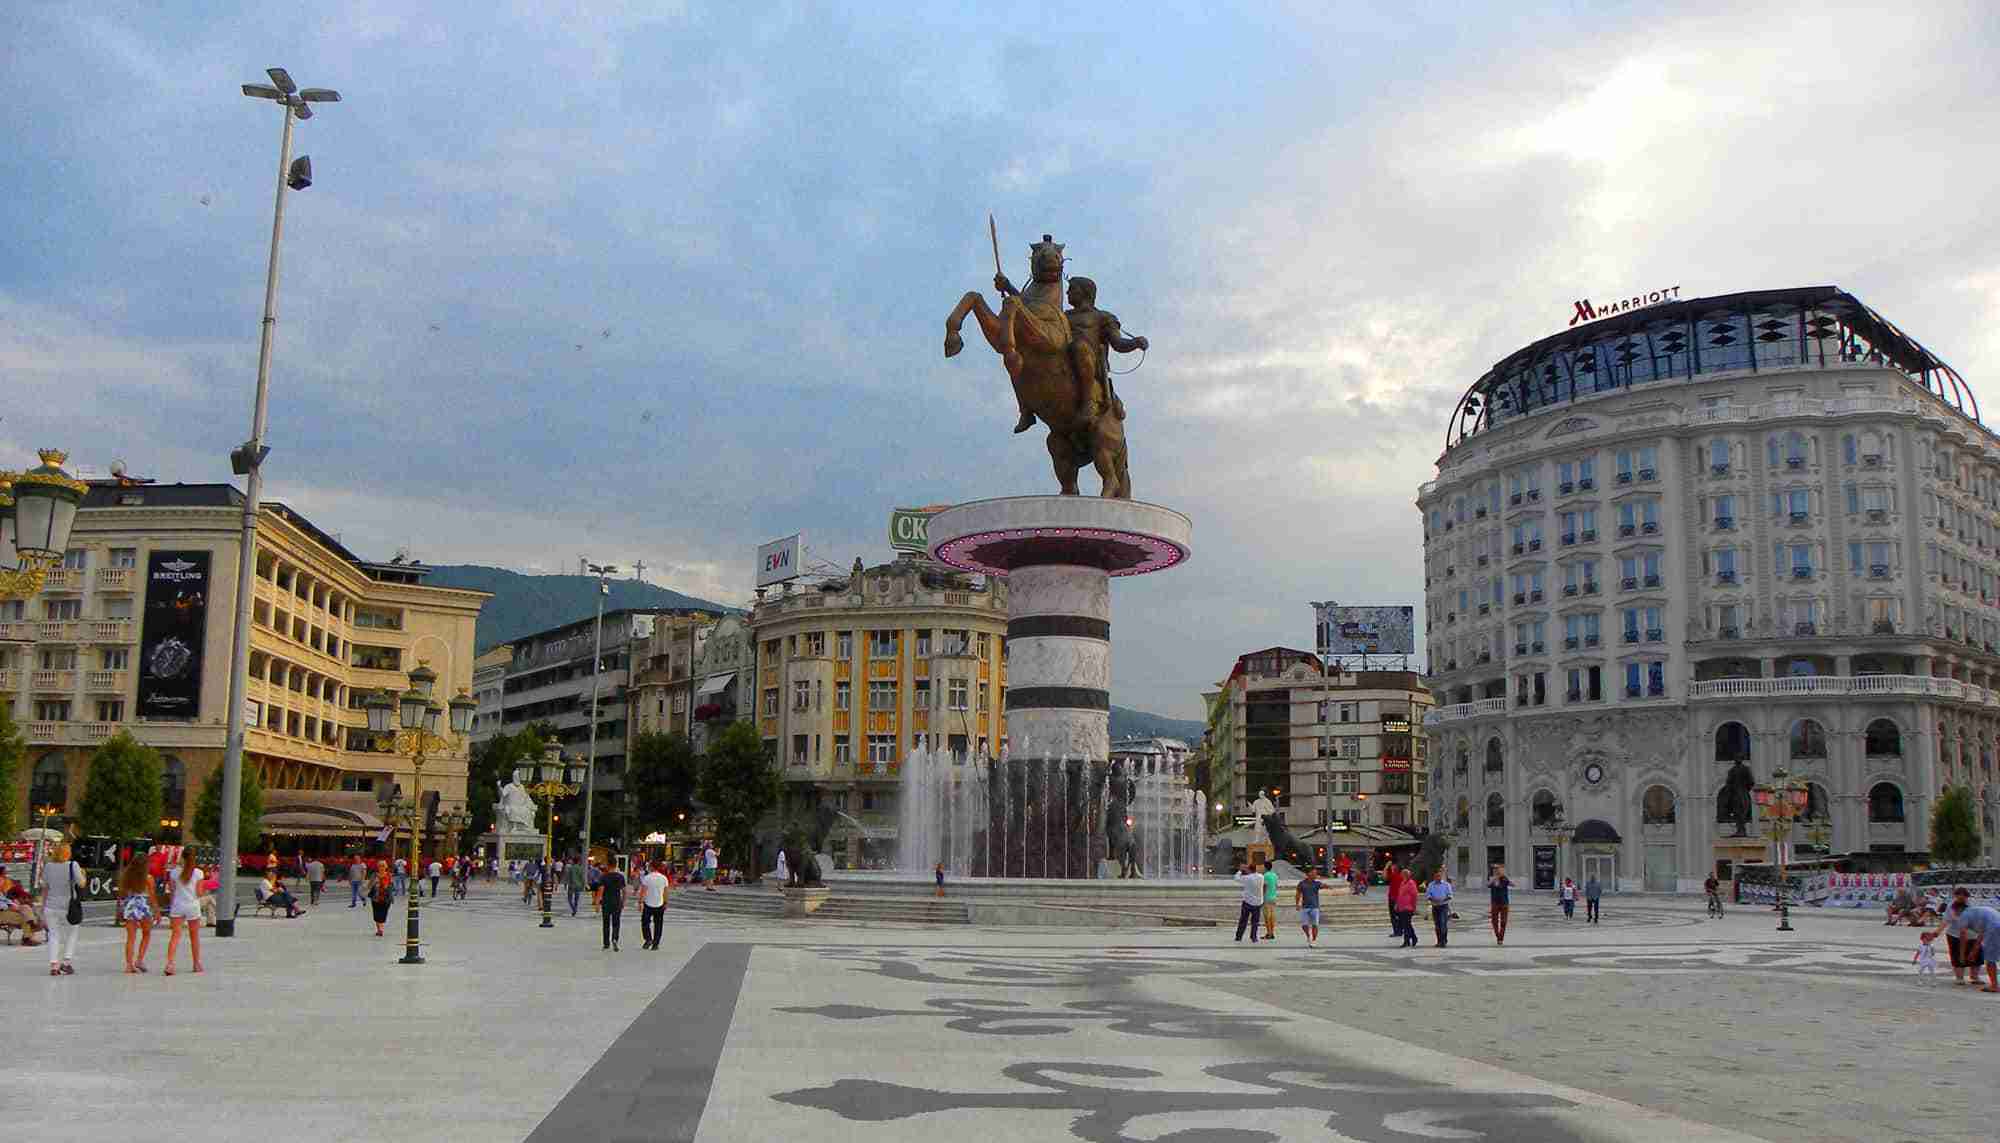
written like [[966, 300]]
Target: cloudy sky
[[661, 281]]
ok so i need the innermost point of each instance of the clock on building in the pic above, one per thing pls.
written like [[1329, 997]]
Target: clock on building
[[1594, 773]]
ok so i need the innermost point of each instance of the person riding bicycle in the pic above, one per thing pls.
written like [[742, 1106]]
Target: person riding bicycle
[[1714, 890]]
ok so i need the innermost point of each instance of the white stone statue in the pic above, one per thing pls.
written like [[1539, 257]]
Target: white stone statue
[[516, 810]]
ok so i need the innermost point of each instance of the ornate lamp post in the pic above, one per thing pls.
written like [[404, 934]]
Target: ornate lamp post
[[47, 813], [418, 738], [37, 508], [1783, 800], [553, 777]]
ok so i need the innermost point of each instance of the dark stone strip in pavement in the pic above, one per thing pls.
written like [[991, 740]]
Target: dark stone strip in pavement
[[653, 1082]]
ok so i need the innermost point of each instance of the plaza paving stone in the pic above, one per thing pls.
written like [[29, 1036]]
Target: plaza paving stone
[[1657, 1025]]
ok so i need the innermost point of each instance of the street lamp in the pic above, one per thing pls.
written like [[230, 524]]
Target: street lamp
[[553, 776], [37, 509], [45, 812], [247, 460], [603, 573], [1783, 799], [418, 737]]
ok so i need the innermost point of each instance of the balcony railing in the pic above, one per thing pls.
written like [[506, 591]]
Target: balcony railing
[[1841, 685], [1475, 709], [109, 630], [53, 682], [56, 630], [63, 579], [104, 682], [117, 579]]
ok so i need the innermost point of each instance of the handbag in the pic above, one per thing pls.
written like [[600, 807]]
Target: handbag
[[75, 914]]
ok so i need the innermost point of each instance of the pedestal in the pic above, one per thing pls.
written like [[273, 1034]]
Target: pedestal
[[805, 902], [1058, 555], [514, 846]]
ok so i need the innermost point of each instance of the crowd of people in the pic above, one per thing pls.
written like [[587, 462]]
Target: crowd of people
[[1406, 893]]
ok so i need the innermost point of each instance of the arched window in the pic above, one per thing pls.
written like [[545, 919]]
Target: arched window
[[1732, 742], [1464, 814], [1795, 449], [1885, 803], [1884, 738], [1808, 739], [1496, 811], [1657, 808], [1816, 802], [1494, 766], [1464, 760], [50, 785], [1544, 808], [173, 788], [1847, 449]]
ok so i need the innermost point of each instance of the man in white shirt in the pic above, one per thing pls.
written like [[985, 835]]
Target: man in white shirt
[[436, 871], [652, 907], [710, 860], [1251, 883], [315, 878]]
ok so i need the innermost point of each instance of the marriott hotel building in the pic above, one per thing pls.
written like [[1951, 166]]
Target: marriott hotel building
[[1756, 527]]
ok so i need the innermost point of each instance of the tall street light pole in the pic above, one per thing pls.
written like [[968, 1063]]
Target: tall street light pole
[[247, 461], [603, 572]]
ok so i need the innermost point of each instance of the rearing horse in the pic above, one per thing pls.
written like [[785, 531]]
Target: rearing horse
[[1051, 376]]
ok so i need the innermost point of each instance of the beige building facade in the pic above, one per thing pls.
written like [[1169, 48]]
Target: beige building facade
[[853, 675], [132, 633]]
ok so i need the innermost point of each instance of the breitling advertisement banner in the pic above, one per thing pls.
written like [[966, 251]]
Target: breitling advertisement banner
[[170, 643]]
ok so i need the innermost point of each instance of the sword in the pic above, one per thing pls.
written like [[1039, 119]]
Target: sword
[[994, 234]]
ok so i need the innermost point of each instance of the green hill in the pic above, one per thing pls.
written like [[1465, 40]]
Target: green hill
[[524, 604], [1127, 723]]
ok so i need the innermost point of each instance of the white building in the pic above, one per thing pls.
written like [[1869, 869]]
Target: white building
[[1758, 526]]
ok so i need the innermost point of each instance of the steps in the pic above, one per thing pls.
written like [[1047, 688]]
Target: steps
[[846, 907], [765, 902]]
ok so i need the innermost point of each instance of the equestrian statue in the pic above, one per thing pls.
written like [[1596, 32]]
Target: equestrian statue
[[1058, 362]]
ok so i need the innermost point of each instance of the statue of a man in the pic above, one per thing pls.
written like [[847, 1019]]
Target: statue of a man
[[1092, 329], [516, 810]]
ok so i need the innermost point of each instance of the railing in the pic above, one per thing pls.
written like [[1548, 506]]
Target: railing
[[116, 579], [56, 630], [10, 681], [110, 630], [53, 681], [63, 579], [104, 681], [15, 631], [1844, 685], [1475, 709]]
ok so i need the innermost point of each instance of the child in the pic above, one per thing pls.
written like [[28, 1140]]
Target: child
[[1926, 958]]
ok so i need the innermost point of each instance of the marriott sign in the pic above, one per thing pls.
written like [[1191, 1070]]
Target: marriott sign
[[1585, 311]]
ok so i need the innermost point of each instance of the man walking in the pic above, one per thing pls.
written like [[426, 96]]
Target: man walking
[[315, 879], [1497, 884], [436, 871], [1439, 892], [1305, 898], [611, 895], [710, 862], [1592, 894], [357, 879], [1404, 909], [652, 907], [1270, 900], [402, 875], [1394, 879], [1251, 883], [575, 885]]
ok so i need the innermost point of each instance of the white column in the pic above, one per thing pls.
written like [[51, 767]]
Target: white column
[[1059, 662]]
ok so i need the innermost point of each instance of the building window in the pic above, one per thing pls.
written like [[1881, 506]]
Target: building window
[[882, 696], [843, 696], [114, 659], [799, 750], [1885, 803], [985, 697], [924, 643], [74, 559], [51, 710], [376, 658], [801, 694], [920, 697], [957, 694], [379, 618], [843, 644], [881, 748], [957, 642], [770, 702], [62, 609], [110, 710], [816, 644], [881, 644], [843, 750]]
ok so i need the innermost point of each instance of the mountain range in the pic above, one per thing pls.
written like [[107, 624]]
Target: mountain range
[[524, 604]]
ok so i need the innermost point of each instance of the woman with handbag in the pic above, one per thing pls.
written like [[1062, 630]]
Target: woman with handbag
[[379, 897], [184, 911], [62, 908]]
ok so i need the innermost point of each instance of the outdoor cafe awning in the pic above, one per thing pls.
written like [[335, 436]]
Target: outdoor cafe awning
[[715, 685]]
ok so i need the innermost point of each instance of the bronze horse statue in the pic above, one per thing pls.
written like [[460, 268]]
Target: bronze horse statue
[[1055, 373]]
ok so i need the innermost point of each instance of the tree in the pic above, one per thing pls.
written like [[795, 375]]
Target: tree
[[740, 785], [13, 752], [661, 773], [1955, 827], [250, 807], [122, 796]]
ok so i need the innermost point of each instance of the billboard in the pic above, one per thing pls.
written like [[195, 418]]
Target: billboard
[[1365, 630], [780, 560], [909, 528], [171, 635]]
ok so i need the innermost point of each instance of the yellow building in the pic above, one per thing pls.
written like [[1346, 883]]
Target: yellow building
[[133, 633], [852, 675]]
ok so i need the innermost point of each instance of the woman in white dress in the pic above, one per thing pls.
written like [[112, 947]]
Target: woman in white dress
[[184, 910], [62, 880]]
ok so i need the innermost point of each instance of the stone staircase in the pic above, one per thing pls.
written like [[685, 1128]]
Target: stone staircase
[[749, 901]]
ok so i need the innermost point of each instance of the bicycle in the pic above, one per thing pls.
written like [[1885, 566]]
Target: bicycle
[[1714, 905]]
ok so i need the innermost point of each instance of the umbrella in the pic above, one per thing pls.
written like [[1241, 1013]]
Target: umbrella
[[40, 835]]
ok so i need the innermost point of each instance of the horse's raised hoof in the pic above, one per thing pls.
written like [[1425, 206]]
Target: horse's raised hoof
[[952, 343], [1026, 422]]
